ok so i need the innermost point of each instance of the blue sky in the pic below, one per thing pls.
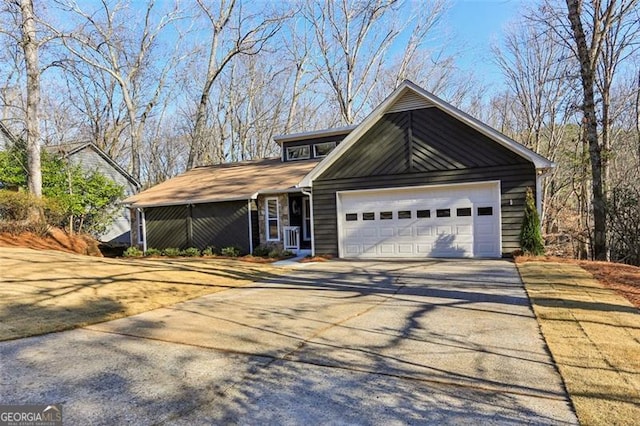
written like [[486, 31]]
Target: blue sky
[[475, 25]]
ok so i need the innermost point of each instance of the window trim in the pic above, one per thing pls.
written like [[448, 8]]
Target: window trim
[[315, 150], [267, 218], [299, 147]]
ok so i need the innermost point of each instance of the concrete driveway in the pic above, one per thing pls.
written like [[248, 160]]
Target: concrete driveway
[[338, 342]]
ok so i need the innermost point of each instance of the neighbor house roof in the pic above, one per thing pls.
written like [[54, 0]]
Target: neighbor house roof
[[410, 96], [68, 149], [225, 182]]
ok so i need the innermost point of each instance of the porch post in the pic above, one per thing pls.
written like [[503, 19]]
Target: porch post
[[313, 238]]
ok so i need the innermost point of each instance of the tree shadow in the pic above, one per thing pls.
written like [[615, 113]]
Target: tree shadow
[[356, 344]]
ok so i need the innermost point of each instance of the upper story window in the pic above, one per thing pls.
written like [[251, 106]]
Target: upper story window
[[298, 152], [323, 149]]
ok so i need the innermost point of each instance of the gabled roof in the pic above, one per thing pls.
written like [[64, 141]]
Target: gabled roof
[[410, 96], [69, 149], [225, 182]]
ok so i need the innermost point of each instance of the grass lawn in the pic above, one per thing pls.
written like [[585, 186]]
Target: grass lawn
[[593, 334], [43, 291]]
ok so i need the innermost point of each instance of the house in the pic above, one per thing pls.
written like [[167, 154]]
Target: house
[[417, 178], [91, 158]]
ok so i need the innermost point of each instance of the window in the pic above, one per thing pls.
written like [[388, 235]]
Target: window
[[298, 152], [423, 213], [466, 211], [485, 211], [368, 216], [140, 220], [323, 149], [271, 219], [351, 217], [443, 213], [404, 214], [386, 215]]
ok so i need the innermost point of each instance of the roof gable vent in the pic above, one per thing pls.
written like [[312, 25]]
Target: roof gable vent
[[410, 100]]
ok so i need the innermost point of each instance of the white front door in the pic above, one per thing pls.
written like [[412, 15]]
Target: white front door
[[460, 220]]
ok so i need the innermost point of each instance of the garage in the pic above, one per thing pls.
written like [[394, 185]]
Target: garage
[[454, 220]]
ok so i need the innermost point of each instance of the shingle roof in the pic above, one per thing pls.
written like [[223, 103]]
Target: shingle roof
[[224, 182]]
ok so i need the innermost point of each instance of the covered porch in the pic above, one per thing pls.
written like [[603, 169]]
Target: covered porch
[[285, 221]]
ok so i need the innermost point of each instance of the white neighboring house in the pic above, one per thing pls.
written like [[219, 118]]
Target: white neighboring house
[[90, 158]]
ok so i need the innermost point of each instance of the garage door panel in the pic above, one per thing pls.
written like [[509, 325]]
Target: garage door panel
[[452, 221]]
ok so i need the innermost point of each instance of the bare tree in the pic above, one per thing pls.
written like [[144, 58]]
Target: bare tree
[[541, 95], [352, 42], [232, 33], [104, 40], [602, 17], [30, 46]]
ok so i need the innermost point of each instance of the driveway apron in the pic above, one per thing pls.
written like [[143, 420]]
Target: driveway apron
[[437, 341]]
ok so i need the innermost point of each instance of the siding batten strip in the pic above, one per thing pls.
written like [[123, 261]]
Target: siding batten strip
[[410, 141], [250, 228]]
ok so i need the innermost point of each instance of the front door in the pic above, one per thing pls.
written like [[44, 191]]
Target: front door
[[300, 215]]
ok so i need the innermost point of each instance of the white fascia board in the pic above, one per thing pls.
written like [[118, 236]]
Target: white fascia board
[[539, 161], [313, 134]]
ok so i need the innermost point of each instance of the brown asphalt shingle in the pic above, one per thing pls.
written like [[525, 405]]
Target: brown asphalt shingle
[[224, 182]]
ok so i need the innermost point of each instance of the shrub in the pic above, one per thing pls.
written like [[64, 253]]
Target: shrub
[[261, 251], [15, 208], [209, 251], [171, 252], [190, 252], [84, 201], [153, 252], [133, 251], [531, 240], [231, 251]]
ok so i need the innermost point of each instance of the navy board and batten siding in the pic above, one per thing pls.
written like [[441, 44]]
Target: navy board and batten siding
[[219, 225], [419, 148]]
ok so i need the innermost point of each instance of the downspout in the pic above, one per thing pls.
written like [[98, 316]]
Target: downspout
[[540, 175], [313, 232], [250, 226], [144, 230]]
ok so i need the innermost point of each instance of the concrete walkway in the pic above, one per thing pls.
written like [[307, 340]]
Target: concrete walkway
[[348, 342]]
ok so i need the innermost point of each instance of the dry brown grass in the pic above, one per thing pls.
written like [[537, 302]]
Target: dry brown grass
[[625, 279], [593, 334], [42, 291]]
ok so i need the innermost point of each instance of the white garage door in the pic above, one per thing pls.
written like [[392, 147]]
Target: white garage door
[[439, 221]]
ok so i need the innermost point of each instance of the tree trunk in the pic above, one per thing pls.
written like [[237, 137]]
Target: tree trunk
[[30, 47], [587, 72]]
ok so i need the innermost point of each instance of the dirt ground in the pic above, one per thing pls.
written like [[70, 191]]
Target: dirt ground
[[625, 279], [56, 239]]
